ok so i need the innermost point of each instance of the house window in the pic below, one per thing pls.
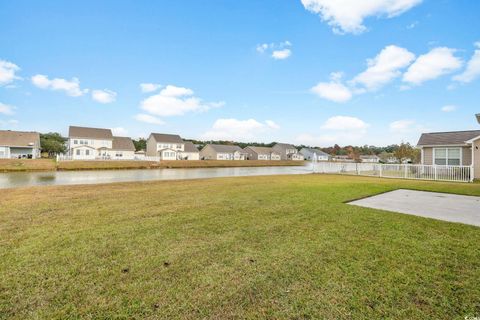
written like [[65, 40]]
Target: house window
[[75, 141], [119, 154], [448, 156], [87, 152], [78, 152]]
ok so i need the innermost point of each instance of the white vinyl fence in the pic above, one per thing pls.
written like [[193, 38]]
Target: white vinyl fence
[[62, 157], [400, 171]]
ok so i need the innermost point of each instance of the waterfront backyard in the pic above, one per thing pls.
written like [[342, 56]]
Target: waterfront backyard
[[246, 247]]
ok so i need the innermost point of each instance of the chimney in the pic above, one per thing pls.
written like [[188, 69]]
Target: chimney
[[478, 117]]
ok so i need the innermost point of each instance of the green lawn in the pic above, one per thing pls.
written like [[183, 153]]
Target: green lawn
[[278, 247]]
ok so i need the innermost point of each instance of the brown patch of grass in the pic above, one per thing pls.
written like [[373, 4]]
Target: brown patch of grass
[[7, 165]]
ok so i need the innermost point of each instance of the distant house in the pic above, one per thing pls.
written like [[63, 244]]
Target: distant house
[[311, 154], [342, 158], [222, 152], [190, 152], [452, 148], [262, 153], [287, 151], [370, 158], [97, 143], [165, 146], [19, 145]]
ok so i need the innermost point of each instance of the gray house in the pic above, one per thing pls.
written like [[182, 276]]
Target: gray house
[[312, 153], [222, 152], [287, 151], [19, 145], [452, 148], [165, 146], [262, 153]]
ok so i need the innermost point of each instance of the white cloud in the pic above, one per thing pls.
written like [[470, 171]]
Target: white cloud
[[437, 62], [238, 130], [347, 16], [6, 109], [334, 90], [71, 88], [449, 108], [384, 67], [278, 51], [7, 72], [272, 124], [104, 96], [472, 70], [142, 117], [401, 125], [149, 87], [119, 131], [345, 123], [175, 101], [281, 54]]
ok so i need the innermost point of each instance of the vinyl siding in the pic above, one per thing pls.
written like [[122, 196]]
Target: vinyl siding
[[476, 155]]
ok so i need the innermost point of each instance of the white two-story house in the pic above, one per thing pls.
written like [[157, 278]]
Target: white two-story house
[[97, 143], [165, 146]]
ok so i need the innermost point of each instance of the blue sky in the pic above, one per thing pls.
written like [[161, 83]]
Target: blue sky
[[313, 72]]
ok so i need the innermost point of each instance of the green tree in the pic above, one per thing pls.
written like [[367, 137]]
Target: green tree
[[406, 152], [53, 143], [140, 144]]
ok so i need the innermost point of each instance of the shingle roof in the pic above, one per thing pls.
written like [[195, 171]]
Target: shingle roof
[[285, 145], [317, 151], [190, 147], [123, 143], [225, 148], [92, 133], [169, 138], [19, 138], [447, 138], [261, 150]]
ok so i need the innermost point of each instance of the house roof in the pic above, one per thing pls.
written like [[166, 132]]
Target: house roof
[[19, 138], [225, 148], [285, 146], [190, 147], [123, 143], [169, 138], [317, 151], [261, 150], [447, 138], [92, 133]]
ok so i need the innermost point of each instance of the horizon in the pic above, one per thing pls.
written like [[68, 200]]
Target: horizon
[[304, 72]]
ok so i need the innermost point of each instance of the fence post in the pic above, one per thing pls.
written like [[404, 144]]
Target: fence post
[[472, 171], [405, 171], [435, 172], [380, 170]]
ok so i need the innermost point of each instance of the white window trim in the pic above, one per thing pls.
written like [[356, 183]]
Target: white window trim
[[446, 154]]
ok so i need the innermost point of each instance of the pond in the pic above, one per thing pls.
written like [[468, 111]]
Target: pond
[[26, 179]]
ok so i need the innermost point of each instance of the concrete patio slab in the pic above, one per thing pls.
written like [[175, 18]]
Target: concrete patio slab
[[441, 206]]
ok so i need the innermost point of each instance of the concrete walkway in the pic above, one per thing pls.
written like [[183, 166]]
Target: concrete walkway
[[441, 206]]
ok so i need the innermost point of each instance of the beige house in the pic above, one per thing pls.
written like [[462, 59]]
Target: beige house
[[261, 153], [98, 144], [452, 148], [287, 151], [190, 152], [222, 152], [19, 145], [165, 146]]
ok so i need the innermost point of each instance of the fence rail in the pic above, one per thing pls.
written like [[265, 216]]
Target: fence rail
[[62, 157], [399, 171]]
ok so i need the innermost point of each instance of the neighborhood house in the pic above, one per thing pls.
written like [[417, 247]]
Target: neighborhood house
[[370, 158], [97, 143], [287, 151], [19, 145], [170, 147], [312, 154], [222, 152], [261, 153]]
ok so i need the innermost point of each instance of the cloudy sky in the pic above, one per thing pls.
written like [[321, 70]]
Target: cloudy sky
[[316, 72]]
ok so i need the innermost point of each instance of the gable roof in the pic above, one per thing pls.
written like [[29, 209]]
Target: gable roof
[[123, 143], [169, 138], [284, 146], [92, 133], [261, 150], [225, 148], [447, 138], [317, 151], [190, 147], [19, 138]]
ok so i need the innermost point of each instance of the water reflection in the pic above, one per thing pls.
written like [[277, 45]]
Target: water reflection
[[23, 179]]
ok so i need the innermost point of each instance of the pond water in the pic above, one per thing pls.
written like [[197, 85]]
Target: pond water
[[26, 179]]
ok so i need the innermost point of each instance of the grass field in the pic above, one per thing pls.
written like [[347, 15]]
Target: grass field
[[278, 247], [9, 165]]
